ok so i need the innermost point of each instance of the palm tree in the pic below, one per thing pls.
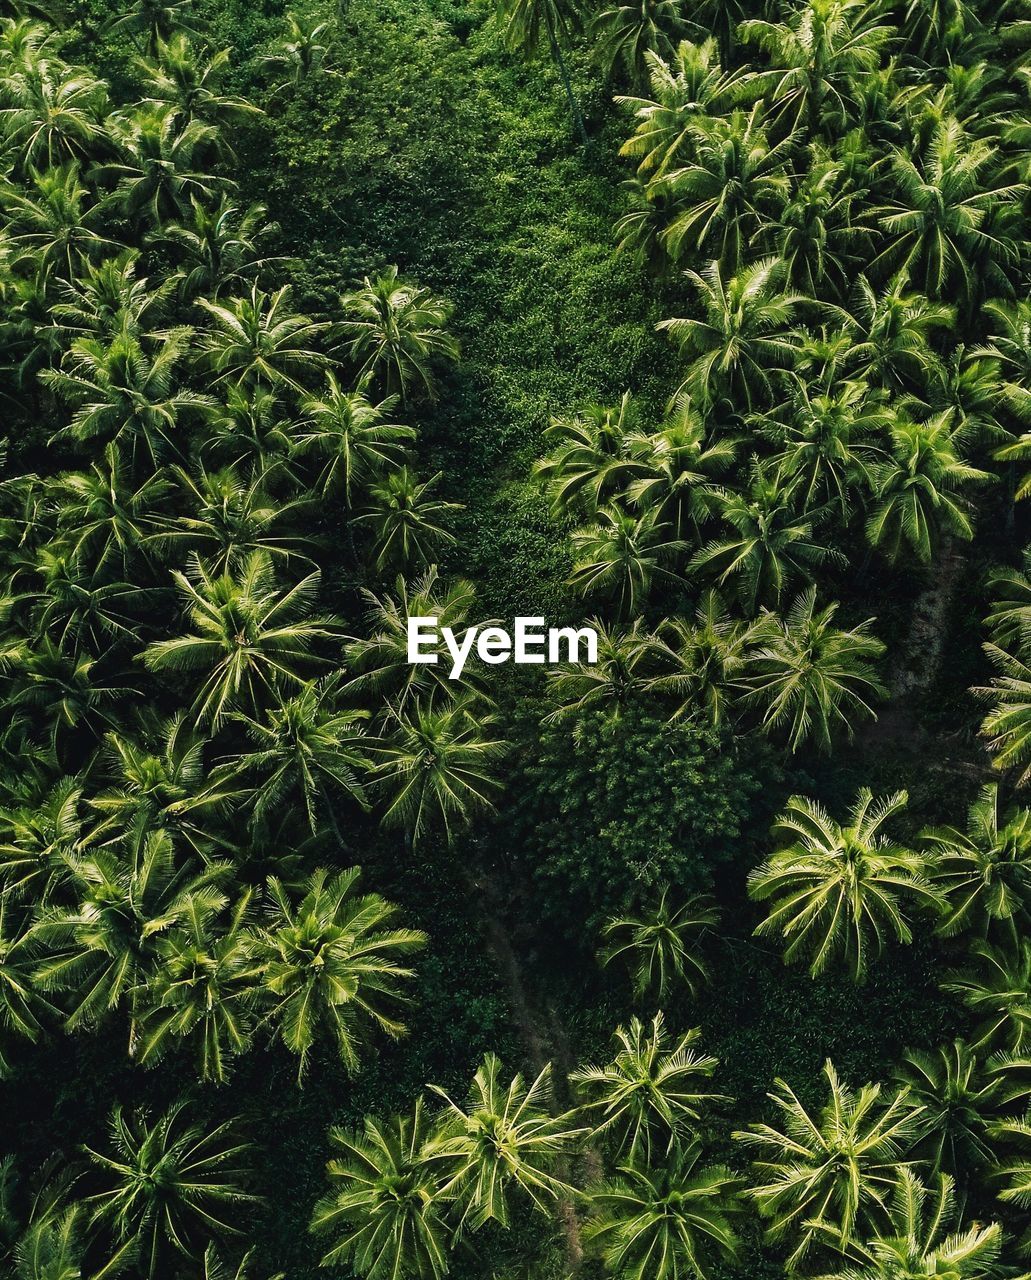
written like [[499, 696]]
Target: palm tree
[[435, 766], [53, 1247], [526, 24], [746, 335], [120, 391], [1009, 593], [405, 520], [379, 662], [1009, 343], [256, 340], [24, 1010], [892, 336], [657, 944], [39, 836], [1007, 725], [918, 498], [984, 872], [105, 515], [309, 748], [250, 639], [104, 949], [202, 991], [385, 1209], [996, 988], [837, 893], [622, 556], [160, 20], [353, 439], [55, 112], [55, 223], [331, 963], [673, 1221], [302, 51], [163, 163], [224, 517], [169, 1185], [810, 679], [953, 229], [396, 331], [502, 1140], [646, 1100], [735, 182], [704, 661], [107, 298], [825, 1175], [590, 460], [922, 1238], [216, 245], [621, 675], [685, 86], [674, 468], [816, 59], [189, 78], [770, 542], [959, 1098], [828, 443], [625, 31]]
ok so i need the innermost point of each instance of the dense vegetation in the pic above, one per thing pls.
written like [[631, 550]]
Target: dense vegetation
[[708, 322]]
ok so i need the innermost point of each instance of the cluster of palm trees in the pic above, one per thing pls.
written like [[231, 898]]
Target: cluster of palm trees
[[191, 735]]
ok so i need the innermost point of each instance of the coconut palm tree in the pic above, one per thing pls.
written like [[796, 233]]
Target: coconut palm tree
[[619, 678], [645, 1102], [590, 460], [625, 31], [384, 1210], [922, 1238], [1009, 593], [396, 333], [837, 893], [744, 338], [190, 78], [918, 497], [379, 662], [203, 990], [103, 949], [816, 59], [250, 640], [823, 1176], [674, 468], [503, 1142], [52, 112], [688, 84], [257, 341], [55, 224], [157, 19], [225, 516], [305, 49], [304, 752], [24, 1010], [405, 520], [353, 439], [953, 229], [39, 835], [623, 556], [735, 182], [996, 987], [960, 1097], [1007, 725], [217, 246], [984, 872], [330, 963], [808, 678], [163, 163], [118, 390], [668, 1222], [435, 768], [702, 661], [770, 542], [168, 1185], [660, 945], [893, 336]]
